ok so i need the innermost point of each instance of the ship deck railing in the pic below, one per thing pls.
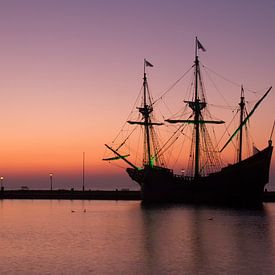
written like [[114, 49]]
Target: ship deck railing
[[186, 178]]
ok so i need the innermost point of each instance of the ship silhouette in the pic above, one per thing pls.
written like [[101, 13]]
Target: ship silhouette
[[206, 179]]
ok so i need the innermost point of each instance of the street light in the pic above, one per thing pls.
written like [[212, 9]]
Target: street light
[[51, 180], [1, 180]]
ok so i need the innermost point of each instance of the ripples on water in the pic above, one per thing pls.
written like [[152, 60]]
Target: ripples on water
[[108, 237]]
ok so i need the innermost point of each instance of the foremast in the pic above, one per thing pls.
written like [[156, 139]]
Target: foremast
[[146, 110], [150, 140], [242, 107]]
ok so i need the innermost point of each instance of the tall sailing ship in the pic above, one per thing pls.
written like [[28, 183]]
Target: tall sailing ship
[[206, 180]]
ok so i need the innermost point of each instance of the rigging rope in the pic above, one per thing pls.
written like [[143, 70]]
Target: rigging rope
[[233, 82], [172, 86], [215, 86]]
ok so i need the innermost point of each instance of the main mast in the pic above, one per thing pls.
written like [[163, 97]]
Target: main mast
[[197, 105], [197, 113]]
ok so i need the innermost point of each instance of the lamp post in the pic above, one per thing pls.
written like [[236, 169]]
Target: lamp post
[[83, 171], [1, 180], [51, 181]]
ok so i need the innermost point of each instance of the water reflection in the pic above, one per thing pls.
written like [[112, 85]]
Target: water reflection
[[46, 237], [190, 239]]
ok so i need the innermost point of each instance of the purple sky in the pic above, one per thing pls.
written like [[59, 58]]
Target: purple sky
[[70, 72]]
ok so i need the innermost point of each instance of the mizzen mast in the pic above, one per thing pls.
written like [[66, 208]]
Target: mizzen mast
[[246, 119]]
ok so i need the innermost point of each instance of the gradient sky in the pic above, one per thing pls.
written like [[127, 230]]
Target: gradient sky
[[71, 70]]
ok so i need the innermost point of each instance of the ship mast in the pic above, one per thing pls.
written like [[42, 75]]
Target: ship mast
[[197, 112], [197, 105], [145, 111], [242, 105], [246, 119]]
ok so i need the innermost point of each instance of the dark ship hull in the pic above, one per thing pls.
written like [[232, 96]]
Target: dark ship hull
[[240, 183]]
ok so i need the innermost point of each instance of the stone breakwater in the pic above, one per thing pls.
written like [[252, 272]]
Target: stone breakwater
[[71, 194]]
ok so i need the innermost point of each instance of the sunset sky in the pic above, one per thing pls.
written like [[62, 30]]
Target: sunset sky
[[70, 71]]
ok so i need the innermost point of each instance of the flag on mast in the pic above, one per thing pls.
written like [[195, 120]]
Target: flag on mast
[[148, 64], [200, 46]]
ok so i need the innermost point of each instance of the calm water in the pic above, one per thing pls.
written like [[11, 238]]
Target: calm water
[[108, 237]]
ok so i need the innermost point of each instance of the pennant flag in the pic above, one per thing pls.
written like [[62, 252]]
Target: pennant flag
[[148, 64], [200, 46]]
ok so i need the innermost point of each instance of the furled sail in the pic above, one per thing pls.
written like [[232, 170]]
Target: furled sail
[[195, 121], [246, 119]]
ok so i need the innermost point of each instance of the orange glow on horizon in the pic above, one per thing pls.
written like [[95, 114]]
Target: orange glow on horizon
[[70, 74]]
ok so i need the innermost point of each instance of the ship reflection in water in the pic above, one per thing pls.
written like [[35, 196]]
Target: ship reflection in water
[[108, 237], [188, 240]]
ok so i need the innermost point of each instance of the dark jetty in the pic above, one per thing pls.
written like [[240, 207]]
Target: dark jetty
[[88, 195], [70, 194], [269, 196]]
